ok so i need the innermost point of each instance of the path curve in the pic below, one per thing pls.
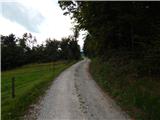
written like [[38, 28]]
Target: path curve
[[74, 95]]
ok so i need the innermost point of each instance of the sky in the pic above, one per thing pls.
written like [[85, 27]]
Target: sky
[[42, 18]]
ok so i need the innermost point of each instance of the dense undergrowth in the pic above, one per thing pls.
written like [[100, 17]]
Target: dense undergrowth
[[136, 93]]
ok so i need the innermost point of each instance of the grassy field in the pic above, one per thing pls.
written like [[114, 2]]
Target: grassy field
[[30, 82], [139, 96]]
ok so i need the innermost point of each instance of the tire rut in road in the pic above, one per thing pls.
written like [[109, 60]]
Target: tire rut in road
[[74, 95], [82, 101]]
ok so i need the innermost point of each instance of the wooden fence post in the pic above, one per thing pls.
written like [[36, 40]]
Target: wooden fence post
[[13, 87]]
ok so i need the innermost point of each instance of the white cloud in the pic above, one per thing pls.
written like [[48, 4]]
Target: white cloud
[[8, 27], [54, 24], [16, 12]]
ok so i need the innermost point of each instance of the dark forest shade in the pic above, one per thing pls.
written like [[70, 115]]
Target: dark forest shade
[[123, 42], [120, 29]]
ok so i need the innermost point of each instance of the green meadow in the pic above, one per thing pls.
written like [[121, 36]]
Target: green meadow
[[31, 81]]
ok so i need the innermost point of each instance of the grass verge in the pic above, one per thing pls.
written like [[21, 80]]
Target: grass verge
[[31, 81], [138, 96]]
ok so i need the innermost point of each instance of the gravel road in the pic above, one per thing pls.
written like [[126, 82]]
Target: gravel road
[[75, 96]]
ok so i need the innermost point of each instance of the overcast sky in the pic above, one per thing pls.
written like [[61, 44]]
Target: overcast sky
[[42, 18]]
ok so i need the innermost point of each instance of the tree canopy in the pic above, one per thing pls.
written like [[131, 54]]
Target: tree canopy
[[20, 51], [123, 28]]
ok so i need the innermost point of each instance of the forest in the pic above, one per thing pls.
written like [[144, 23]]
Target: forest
[[123, 42], [20, 51], [126, 29]]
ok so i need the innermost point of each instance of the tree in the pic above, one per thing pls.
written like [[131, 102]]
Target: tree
[[20, 51], [70, 48], [51, 49], [118, 28], [10, 52]]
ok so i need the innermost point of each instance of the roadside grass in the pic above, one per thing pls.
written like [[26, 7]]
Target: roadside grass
[[31, 81], [138, 96]]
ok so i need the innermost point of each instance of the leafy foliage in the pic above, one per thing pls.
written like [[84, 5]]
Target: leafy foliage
[[20, 51], [126, 38], [127, 28]]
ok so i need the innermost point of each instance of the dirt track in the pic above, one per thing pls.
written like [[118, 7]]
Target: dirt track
[[75, 96]]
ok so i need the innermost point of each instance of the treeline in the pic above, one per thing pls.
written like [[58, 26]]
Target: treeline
[[21, 51], [130, 30]]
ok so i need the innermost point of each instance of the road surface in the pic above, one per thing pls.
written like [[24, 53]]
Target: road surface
[[75, 96]]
